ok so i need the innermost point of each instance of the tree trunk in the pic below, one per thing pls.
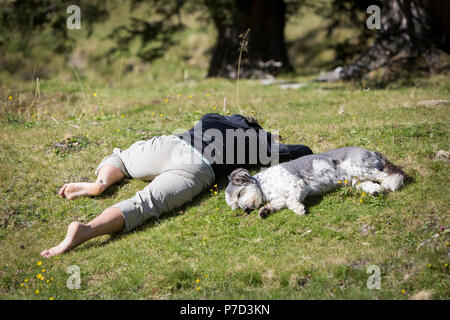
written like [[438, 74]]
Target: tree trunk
[[409, 28], [266, 52]]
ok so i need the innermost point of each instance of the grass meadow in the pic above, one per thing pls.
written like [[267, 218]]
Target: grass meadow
[[57, 130]]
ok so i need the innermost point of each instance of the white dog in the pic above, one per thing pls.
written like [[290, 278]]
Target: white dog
[[288, 184]]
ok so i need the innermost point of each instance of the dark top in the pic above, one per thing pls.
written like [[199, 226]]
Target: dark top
[[236, 141]]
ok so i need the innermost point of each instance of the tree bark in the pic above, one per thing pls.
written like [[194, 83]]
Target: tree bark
[[266, 52], [408, 29]]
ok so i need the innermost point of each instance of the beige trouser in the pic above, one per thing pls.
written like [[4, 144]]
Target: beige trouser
[[177, 171]]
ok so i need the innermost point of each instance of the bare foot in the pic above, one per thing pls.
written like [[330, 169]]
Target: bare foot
[[79, 189], [77, 233]]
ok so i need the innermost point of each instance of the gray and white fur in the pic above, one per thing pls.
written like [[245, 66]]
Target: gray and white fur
[[288, 184]]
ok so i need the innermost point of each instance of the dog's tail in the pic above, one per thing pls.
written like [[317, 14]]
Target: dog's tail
[[396, 176]]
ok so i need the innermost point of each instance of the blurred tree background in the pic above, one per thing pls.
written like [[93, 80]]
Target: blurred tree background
[[202, 38]]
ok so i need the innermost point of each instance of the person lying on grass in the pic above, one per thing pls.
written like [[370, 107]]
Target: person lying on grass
[[178, 166]]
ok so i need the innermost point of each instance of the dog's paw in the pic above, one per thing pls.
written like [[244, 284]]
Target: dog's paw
[[264, 212], [300, 210]]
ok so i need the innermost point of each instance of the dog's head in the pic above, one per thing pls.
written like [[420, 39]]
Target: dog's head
[[242, 191]]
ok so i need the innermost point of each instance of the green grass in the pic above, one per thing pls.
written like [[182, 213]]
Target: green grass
[[323, 255]]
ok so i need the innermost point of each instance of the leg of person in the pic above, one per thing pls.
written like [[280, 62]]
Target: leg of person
[[111, 170], [110, 221], [288, 152], [166, 192]]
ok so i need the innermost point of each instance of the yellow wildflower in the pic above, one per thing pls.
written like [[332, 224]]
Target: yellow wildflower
[[94, 94], [51, 298], [207, 94], [190, 96], [37, 291], [197, 281], [26, 280], [345, 181], [10, 98], [161, 115], [39, 263], [21, 284], [215, 186], [339, 181], [167, 100]]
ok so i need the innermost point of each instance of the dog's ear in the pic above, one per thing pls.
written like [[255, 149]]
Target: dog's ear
[[240, 177]]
